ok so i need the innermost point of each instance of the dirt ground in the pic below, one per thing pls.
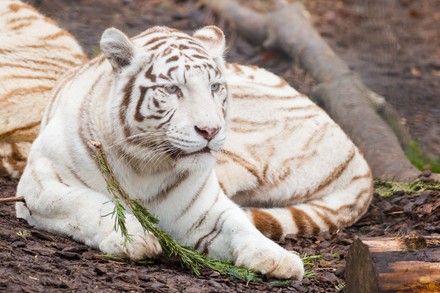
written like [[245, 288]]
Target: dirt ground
[[395, 48]]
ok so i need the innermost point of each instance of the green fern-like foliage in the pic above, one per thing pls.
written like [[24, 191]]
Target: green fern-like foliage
[[388, 188], [189, 257]]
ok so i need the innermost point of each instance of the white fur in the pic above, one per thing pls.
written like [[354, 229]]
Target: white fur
[[274, 148], [65, 192]]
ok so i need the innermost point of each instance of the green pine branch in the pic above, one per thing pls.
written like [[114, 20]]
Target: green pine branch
[[188, 257]]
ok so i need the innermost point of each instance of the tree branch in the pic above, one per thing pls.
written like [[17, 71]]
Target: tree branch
[[189, 257], [12, 199], [340, 92]]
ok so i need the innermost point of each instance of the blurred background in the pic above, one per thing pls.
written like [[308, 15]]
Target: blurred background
[[393, 45]]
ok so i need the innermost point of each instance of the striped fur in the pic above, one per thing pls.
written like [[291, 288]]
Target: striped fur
[[34, 53], [291, 167], [167, 108]]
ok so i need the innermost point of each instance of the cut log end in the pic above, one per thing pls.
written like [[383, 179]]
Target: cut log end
[[410, 264]]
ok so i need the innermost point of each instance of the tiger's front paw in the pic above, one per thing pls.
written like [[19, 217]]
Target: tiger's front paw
[[142, 245], [270, 259]]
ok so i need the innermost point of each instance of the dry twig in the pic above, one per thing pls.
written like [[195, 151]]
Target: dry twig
[[12, 199]]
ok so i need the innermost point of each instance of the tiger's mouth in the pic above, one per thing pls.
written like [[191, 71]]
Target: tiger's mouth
[[182, 154], [205, 150]]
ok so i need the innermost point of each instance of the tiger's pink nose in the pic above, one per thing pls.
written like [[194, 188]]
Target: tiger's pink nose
[[207, 132]]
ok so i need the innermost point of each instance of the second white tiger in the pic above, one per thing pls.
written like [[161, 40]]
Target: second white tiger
[[165, 106]]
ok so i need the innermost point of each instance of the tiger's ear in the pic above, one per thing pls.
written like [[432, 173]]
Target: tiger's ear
[[118, 49], [212, 39]]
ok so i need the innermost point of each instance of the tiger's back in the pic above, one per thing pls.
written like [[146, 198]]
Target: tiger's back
[[286, 161], [34, 54]]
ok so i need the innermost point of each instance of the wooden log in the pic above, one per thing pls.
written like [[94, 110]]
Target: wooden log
[[340, 92], [410, 264]]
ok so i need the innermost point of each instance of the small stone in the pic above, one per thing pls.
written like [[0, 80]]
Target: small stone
[[327, 277], [327, 235], [340, 271], [88, 254], [386, 206], [421, 199], [429, 228], [67, 255], [409, 208], [298, 285], [18, 244], [214, 284], [99, 271], [293, 237], [214, 274], [42, 236], [309, 251], [324, 244], [192, 290], [76, 249], [344, 241], [160, 279], [156, 284], [145, 278], [424, 210], [396, 199], [426, 173], [377, 215], [306, 281]]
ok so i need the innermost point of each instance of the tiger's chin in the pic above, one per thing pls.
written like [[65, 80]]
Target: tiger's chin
[[199, 160]]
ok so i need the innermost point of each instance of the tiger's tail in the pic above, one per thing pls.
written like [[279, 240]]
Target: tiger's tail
[[324, 212]]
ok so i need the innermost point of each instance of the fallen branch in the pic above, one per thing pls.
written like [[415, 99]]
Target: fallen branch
[[189, 257], [12, 199], [340, 92]]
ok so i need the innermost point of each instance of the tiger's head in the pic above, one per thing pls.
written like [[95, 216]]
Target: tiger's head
[[169, 100]]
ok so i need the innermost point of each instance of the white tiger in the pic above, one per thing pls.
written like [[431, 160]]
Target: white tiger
[[34, 54], [163, 105]]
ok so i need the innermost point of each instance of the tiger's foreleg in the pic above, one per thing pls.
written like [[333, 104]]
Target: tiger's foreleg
[[72, 209], [215, 225]]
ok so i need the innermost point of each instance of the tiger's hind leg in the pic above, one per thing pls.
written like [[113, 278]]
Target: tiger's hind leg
[[13, 158], [338, 200]]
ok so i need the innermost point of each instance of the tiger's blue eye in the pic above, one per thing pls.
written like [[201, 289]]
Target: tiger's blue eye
[[171, 89], [215, 87]]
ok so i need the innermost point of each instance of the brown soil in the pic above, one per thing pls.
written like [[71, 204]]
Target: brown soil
[[37, 261], [394, 48]]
